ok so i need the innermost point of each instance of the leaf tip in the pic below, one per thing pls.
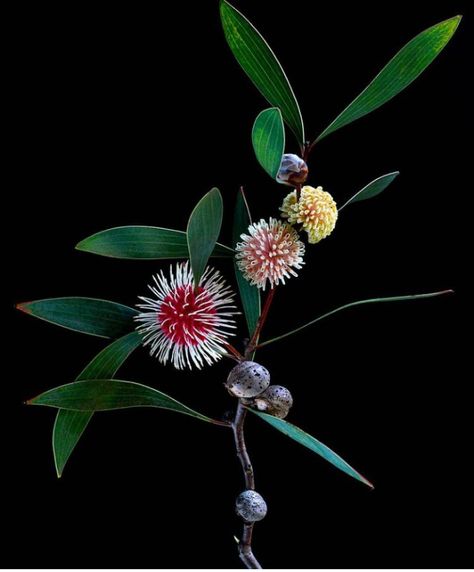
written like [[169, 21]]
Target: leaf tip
[[366, 481], [449, 291], [80, 245], [23, 307]]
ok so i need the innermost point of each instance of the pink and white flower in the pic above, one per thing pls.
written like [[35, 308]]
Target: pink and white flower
[[184, 325], [269, 253]]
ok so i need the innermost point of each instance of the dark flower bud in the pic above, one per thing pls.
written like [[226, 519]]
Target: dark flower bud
[[293, 170]]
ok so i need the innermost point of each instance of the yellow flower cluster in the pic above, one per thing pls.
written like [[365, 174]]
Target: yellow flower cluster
[[315, 210]]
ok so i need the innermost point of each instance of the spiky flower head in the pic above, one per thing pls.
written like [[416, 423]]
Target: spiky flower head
[[186, 325], [316, 211], [270, 252]]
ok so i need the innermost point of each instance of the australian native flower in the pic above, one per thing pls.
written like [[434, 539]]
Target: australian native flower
[[315, 210], [188, 317], [269, 253], [186, 325]]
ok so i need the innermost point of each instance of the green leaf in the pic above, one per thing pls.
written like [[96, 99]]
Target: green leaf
[[87, 315], [249, 295], [108, 394], [404, 68], [261, 65], [313, 444], [70, 425], [372, 189], [143, 243], [358, 303], [268, 138], [204, 226]]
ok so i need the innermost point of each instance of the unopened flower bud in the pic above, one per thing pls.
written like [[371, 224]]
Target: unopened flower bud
[[293, 170], [248, 379], [275, 400], [250, 506]]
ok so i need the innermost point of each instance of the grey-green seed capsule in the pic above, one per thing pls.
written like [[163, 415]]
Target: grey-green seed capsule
[[275, 400], [250, 506], [248, 379]]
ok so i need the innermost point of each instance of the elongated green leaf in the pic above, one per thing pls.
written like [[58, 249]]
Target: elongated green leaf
[[143, 243], [261, 65], [249, 295], [358, 303], [268, 138], [313, 444], [70, 425], [404, 68], [372, 189], [204, 226], [108, 394], [87, 315]]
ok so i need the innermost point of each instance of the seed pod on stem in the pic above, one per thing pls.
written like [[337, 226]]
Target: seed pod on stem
[[247, 379]]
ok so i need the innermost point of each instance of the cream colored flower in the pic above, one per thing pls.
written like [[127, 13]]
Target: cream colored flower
[[316, 211]]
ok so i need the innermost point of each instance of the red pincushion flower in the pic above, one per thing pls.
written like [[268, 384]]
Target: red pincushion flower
[[186, 325]]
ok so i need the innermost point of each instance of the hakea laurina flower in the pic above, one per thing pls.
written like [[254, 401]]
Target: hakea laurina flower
[[315, 210], [186, 325], [270, 252]]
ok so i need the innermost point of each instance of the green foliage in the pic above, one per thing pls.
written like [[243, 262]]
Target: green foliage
[[249, 295], [400, 71], [143, 243], [313, 444], [203, 230], [268, 138], [373, 189], [70, 425], [86, 315], [107, 394], [261, 65]]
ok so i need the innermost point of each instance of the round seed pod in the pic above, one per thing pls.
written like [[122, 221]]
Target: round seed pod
[[275, 400], [248, 379], [250, 506]]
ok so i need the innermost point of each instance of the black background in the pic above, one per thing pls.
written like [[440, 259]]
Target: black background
[[128, 116]]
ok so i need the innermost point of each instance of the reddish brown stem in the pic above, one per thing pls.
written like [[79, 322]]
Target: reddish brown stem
[[261, 322], [235, 352]]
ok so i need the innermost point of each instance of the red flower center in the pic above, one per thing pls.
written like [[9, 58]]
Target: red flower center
[[186, 316]]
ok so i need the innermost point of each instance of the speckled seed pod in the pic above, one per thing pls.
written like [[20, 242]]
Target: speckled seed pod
[[250, 506], [275, 400], [248, 379]]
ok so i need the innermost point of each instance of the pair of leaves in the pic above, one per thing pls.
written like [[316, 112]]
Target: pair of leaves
[[70, 425], [98, 318], [198, 243], [261, 65], [78, 401]]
